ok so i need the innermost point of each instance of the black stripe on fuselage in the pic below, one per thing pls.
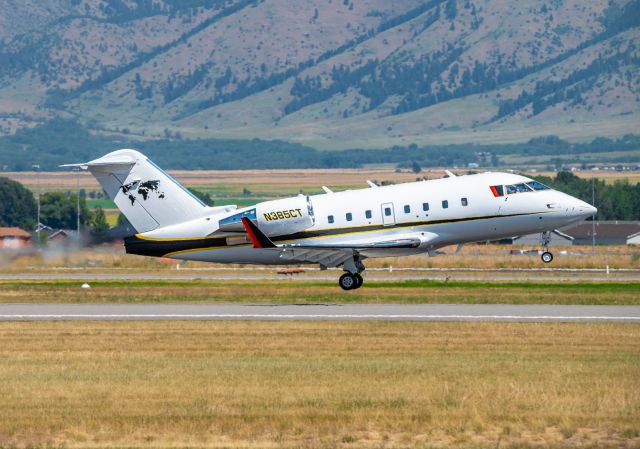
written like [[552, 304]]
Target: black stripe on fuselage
[[145, 246]]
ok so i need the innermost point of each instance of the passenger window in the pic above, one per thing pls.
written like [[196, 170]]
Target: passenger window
[[349, 216], [330, 219], [387, 211], [445, 204], [407, 209], [367, 213], [425, 206], [464, 201]]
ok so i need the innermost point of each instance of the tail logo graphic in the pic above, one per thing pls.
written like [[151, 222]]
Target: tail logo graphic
[[144, 188]]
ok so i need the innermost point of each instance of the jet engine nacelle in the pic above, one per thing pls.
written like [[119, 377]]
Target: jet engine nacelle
[[285, 216]]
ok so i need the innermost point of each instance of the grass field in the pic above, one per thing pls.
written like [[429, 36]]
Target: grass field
[[275, 183], [296, 292], [103, 203], [231, 182], [351, 385]]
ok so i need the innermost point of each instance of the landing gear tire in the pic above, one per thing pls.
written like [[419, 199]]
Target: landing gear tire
[[546, 257], [359, 280], [348, 282]]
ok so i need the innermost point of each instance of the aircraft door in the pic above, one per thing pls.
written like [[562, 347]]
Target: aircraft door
[[503, 200], [503, 208], [388, 214]]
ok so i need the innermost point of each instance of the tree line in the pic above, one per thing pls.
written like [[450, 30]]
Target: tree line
[[64, 141], [58, 210]]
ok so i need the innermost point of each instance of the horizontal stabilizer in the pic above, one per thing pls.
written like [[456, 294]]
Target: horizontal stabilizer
[[98, 163]]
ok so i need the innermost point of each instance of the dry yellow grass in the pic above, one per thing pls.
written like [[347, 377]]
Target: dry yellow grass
[[256, 384], [498, 256], [298, 178], [285, 180]]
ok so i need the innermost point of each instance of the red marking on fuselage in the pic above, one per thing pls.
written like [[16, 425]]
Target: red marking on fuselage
[[252, 236]]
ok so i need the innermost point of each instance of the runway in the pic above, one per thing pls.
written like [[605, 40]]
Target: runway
[[319, 312], [314, 275]]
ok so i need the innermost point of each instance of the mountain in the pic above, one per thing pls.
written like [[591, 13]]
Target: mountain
[[331, 74]]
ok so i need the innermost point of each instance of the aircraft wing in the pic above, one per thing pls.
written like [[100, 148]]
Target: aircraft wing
[[382, 244], [325, 254]]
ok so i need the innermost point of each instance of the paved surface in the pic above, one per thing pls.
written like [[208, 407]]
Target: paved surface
[[382, 275], [328, 312]]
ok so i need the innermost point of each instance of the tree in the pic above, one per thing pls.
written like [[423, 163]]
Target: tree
[[98, 221], [59, 210], [415, 167], [202, 196], [17, 206], [450, 9]]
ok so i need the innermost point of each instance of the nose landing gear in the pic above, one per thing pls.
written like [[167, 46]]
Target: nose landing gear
[[546, 256]]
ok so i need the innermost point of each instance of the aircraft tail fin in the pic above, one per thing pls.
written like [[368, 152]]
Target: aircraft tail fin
[[148, 196]]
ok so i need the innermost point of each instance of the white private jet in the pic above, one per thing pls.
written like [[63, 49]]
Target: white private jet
[[331, 229]]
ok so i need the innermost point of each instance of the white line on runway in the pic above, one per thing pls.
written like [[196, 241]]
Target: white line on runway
[[317, 316]]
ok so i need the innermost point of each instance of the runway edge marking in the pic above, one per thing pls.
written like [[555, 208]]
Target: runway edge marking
[[320, 316]]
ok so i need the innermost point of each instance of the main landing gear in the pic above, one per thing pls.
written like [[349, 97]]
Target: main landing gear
[[352, 279], [546, 256]]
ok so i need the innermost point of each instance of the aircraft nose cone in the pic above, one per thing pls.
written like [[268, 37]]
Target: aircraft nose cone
[[585, 209]]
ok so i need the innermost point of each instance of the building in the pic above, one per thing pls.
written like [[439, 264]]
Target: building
[[634, 239], [14, 238], [62, 237], [606, 232]]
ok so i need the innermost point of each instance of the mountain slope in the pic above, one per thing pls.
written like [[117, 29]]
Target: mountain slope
[[332, 74]]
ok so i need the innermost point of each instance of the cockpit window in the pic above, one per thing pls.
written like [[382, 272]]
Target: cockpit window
[[530, 186], [518, 188], [535, 185]]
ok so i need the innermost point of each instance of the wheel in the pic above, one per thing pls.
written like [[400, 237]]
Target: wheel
[[546, 257], [359, 280], [348, 281]]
